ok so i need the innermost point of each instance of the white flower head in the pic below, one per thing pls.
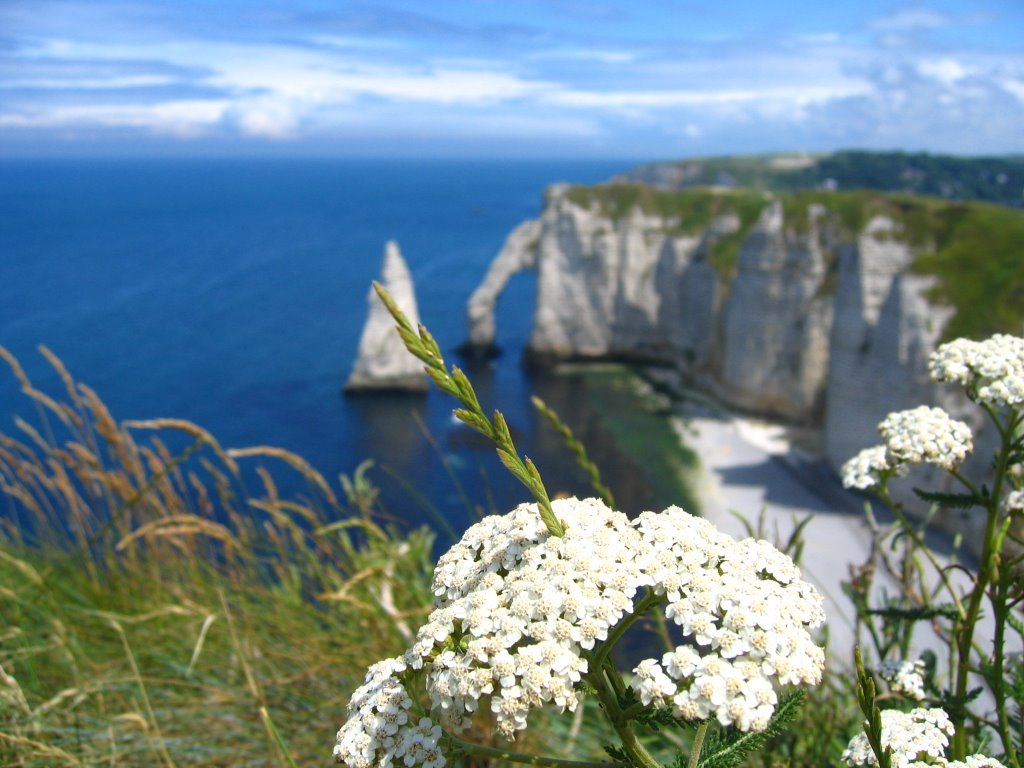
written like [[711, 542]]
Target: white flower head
[[1013, 501], [991, 370], [904, 676], [745, 614], [921, 734], [378, 731], [975, 761], [516, 609], [865, 470], [925, 435]]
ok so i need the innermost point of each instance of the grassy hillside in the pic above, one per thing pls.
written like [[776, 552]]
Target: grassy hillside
[[975, 249], [991, 179]]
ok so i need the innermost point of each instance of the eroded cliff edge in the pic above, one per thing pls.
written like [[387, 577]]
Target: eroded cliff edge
[[811, 307]]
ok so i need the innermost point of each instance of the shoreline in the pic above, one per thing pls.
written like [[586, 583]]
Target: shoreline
[[749, 467]]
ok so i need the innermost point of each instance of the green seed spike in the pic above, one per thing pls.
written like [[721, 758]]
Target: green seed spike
[[425, 348]]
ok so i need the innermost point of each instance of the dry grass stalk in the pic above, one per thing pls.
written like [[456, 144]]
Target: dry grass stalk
[[158, 540], [177, 525], [182, 425], [298, 463]]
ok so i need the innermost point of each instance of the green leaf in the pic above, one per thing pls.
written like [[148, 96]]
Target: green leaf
[[945, 610], [728, 748], [950, 500]]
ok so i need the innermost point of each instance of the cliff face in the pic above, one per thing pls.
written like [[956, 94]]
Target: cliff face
[[808, 322]]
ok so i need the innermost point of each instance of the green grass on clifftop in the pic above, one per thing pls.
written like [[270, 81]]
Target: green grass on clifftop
[[687, 212]]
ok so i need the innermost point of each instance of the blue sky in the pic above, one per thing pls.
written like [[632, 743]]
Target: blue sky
[[591, 78]]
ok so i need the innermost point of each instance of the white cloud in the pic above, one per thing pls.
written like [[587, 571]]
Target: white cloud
[[183, 119], [785, 95], [848, 88], [909, 19], [946, 71], [89, 82], [606, 56], [1014, 87]]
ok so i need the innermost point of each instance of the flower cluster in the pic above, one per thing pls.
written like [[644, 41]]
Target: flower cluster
[[524, 606], [917, 739], [922, 435], [867, 468], [519, 615], [974, 761], [378, 730], [920, 735], [904, 676], [925, 435], [992, 371], [1014, 501], [745, 616]]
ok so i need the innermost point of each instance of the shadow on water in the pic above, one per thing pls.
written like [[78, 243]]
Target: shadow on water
[[626, 430]]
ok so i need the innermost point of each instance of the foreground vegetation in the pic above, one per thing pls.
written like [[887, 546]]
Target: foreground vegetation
[[163, 607], [164, 604]]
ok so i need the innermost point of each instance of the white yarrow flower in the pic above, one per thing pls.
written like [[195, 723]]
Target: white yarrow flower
[[377, 731], [745, 615], [904, 676], [1013, 502], [865, 469], [991, 370], [921, 734], [517, 611], [925, 435]]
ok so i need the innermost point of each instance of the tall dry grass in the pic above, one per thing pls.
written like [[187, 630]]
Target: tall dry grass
[[163, 603]]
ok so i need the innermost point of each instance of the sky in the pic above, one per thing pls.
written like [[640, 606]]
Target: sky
[[647, 79]]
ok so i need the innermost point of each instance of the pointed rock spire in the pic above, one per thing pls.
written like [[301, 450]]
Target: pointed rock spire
[[383, 362]]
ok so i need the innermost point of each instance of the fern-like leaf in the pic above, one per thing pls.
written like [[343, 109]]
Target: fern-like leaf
[[950, 500], [729, 747]]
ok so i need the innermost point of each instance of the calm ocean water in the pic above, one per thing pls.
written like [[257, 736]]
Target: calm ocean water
[[232, 293]]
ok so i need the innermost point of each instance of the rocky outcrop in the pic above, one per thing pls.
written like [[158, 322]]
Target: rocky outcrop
[[597, 291], [777, 320], [810, 322], [383, 363], [518, 254], [883, 331]]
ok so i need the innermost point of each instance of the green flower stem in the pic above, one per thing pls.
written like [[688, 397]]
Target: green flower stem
[[698, 744], [910, 531], [606, 680], [648, 601], [986, 571], [872, 715], [633, 710], [1000, 608], [520, 757], [614, 678], [423, 346], [661, 627], [638, 754], [964, 639]]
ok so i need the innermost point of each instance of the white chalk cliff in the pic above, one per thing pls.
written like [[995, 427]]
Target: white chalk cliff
[[383, 362], [811, 323]]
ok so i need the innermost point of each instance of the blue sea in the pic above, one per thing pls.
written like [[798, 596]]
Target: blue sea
[[232, 292]]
